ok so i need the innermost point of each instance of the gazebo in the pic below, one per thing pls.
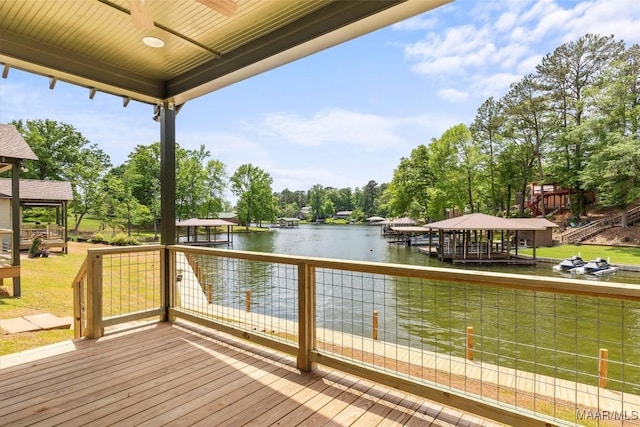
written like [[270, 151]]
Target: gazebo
[[13, 151], [471, 238], [48, 194]]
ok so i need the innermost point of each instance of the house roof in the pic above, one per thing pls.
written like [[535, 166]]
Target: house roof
[[35, 190], [204, 222], [208, 44], [13, 146], [480, 221]]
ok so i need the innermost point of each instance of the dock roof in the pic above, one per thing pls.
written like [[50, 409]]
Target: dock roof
[[480, 221], [204, 222]]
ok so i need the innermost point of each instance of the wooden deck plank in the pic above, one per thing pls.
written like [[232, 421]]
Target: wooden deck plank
[[181, 397], [115, 402], [89, 386], [336, 384], [382, 409], [145, 390], [176, 376], [70, 374], [252, 406], [290, 407], [325, 414]]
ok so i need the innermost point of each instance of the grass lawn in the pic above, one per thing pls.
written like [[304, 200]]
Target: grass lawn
[[615, 254], [46, 288]]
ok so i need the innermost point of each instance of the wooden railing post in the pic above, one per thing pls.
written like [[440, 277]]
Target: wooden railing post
[[94, 296], [79, 315], [247, 302], [306, 315]]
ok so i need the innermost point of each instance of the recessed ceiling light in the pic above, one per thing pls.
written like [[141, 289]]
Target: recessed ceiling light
[[153, 41]]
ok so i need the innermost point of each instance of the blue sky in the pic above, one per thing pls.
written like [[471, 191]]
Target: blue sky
[[346, 115]]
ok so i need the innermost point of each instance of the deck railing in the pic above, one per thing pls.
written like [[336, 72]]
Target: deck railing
[[518, 349]]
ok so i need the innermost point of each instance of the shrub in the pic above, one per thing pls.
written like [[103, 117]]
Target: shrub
[[124, 240], [98, 238]]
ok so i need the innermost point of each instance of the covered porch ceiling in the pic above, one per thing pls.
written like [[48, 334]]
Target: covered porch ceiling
[[208, 44], [200, 46]]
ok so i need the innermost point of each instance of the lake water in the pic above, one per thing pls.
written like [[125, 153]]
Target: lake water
[[549, 334], [365, 243]]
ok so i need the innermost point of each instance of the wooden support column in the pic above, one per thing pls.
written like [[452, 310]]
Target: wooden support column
[[167, 190], [15, 224], [306, 315]]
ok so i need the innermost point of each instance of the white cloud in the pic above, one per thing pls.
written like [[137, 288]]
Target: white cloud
[[335, 126], [415, 23], [495, 85], [453, 95], [233, 149], [506, 39], [506, 22]]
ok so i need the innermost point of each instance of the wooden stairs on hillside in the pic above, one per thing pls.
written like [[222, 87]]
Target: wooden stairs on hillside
[[581, 233]]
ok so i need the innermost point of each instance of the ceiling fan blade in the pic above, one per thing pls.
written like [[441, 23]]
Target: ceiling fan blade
[[225, 7], [141, 14]]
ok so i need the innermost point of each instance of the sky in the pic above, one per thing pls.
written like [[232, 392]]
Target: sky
[[346, 115]]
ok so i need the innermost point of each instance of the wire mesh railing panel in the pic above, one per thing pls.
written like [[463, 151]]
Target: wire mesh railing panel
[[131, 282], [256, 296], [556, 355]]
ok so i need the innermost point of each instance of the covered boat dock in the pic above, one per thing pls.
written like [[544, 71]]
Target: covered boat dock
[[212, 236], [481, 238]]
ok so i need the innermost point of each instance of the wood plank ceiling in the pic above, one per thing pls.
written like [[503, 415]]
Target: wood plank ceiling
[[95, 43]]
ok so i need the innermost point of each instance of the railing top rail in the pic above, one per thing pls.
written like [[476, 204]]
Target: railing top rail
[[504, 280], [81, 272], [125, 249]]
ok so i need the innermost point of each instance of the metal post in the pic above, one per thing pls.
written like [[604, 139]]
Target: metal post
[[167, 190], [15, 224]]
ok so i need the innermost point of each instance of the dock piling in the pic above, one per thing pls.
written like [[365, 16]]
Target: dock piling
[[603, 367], [469, 342], [374, 334]]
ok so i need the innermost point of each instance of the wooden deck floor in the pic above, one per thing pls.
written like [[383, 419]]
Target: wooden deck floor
[[181, 375]]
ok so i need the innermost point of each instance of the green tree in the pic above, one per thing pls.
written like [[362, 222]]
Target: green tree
[[252, 186], [615, 172], [408, 192], [470, 163], [85, 174], [485, 130], [371, 191], [143, 167], [57, 145], [566, 75], [448, 192], [531, 124], [316, 200], [199, 183]]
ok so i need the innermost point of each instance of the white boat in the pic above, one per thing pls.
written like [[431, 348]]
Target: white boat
[[596, 267], [569, 264]]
